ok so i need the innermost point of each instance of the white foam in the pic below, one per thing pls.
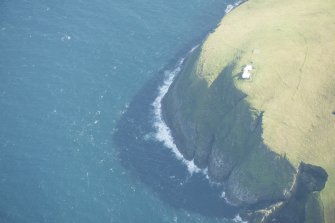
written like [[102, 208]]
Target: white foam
[[238, 3], [163, 132], [223, 196], [231, 7], [66, 37], [238, 219], [194, 48]]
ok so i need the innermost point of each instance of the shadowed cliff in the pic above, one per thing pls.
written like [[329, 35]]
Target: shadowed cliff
[[156, 166], [215, 126]]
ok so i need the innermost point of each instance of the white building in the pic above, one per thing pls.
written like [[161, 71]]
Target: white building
[[247, 72]]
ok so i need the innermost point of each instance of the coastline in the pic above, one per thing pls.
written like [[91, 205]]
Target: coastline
[[150, 161], [192, 131], [163, 132]]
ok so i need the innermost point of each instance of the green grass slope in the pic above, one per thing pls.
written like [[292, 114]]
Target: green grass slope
[[291, 44]]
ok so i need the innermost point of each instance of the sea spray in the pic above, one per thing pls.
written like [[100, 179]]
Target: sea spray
[[238, 219], [163, 132], [231, 7]]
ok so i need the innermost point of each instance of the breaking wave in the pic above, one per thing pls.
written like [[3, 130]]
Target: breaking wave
[[231, 7], [163, 132]]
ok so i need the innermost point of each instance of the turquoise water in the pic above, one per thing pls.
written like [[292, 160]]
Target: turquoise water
[[68, 72]]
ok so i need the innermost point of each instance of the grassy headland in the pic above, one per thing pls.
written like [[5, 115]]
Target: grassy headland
[[291, 45]]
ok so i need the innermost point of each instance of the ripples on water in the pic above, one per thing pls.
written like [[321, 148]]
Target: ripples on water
[[144, 139], [68, 71]]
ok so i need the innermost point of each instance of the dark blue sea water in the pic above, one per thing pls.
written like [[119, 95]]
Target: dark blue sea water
[[77, 80]]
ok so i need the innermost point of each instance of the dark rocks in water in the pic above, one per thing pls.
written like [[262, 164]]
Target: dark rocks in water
[[220, 166], [217, 128], [156, 166], [303, 206], [310, 178]]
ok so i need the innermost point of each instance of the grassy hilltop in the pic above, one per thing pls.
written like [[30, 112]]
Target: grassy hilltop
[[291, 44]]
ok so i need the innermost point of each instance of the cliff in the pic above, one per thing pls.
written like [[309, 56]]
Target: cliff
[[254, 134]]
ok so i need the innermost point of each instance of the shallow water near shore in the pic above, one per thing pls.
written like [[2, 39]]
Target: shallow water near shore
[[70, 151], [175, 180]]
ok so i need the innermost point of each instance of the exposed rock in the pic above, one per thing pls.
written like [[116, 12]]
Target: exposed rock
[[304, 206], [310, 178], [220, 165], [216, 126], [225, 136], [204, 147], [257, 179]]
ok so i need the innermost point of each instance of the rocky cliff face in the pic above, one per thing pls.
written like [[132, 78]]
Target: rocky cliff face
[[254, 133], [217, 128], [303, 206]]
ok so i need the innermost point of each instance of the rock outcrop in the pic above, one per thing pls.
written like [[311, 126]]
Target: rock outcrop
[[253, 134], [217, 128], [226, 136], [304, 205]]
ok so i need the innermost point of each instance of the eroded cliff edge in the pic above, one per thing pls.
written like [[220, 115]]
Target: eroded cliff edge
[[225, 136], [217, 119]]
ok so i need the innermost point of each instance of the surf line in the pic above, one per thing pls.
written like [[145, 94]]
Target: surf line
[[163, 132]]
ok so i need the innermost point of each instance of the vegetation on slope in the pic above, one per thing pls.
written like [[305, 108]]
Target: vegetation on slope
[[291, 46]]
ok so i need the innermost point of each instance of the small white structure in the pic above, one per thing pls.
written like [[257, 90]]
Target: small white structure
[[247, 72]]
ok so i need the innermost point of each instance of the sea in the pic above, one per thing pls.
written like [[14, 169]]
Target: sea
[[81, 133]]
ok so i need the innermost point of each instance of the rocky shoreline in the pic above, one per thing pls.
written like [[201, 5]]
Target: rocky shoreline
[[265, 185]]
